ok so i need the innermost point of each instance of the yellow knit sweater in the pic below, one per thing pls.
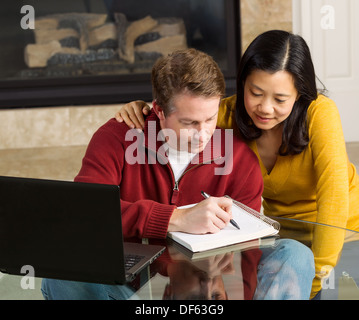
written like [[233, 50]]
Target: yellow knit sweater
[[318, 185]]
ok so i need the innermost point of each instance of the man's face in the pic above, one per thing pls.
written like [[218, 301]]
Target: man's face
[[193, 122]]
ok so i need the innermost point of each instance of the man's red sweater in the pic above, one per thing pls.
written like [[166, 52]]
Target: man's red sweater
[[149, 192]]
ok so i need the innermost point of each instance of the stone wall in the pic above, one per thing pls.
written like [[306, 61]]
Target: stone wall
[[258, 16], [52, 126]]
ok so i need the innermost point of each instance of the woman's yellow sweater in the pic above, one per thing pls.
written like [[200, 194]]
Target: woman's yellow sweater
[[318, 185]]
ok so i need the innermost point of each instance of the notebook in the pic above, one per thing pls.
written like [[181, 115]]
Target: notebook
[[67, 230], [253, 225], [242, 246]]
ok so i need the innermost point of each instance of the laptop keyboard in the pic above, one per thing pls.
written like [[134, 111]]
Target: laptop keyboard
[[131, 260]]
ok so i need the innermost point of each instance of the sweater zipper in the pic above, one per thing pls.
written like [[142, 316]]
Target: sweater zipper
[[175, 192]]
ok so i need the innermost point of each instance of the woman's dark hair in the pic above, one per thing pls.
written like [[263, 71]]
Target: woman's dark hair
[[275, 51]]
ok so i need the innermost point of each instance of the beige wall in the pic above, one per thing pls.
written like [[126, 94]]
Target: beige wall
[[52, 127], [258, 16]]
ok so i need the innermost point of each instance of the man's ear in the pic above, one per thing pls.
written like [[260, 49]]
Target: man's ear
[[158, 110]]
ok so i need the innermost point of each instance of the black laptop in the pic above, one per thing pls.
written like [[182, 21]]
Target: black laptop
[[67, 230]]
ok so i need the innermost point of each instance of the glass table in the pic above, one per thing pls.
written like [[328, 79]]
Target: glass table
[[220, 275], [227, 273]]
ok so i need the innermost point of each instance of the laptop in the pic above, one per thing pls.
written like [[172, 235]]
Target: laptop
[[67, 230]]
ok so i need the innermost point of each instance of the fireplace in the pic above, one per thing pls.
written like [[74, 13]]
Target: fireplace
[[102, 51]]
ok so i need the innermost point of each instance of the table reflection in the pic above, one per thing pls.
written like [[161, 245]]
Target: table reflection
[[332, 257], [251, 270], [277, 268]]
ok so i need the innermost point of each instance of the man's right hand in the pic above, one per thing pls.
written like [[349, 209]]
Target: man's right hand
[[132, 114], [208, 216]]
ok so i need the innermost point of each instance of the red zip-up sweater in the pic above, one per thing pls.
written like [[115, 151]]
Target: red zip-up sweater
[[148, 190]]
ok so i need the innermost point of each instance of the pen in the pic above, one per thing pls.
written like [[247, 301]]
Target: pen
[[233, 223]]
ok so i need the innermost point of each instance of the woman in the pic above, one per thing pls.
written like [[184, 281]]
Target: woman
[[297, 136]]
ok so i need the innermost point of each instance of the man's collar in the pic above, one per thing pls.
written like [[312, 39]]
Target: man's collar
[[213, 149]]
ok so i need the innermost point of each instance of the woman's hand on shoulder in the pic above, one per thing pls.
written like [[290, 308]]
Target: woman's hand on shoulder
[[133, 114]]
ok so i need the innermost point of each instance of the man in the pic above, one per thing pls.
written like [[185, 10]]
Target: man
[[180, 154], [187, 88]]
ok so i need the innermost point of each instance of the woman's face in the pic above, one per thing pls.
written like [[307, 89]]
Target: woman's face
[[269, 97]]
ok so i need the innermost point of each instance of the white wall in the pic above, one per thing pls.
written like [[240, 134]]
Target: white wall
[[331, 29]]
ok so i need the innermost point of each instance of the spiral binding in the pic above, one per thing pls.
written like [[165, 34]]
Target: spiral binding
[[256, 214]]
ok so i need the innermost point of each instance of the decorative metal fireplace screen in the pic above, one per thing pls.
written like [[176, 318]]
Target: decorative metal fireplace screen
[[102, 51]]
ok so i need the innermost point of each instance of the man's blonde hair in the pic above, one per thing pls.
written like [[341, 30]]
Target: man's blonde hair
[[189, 71]]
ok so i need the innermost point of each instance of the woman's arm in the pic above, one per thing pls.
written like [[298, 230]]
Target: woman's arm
[[332, 189], [330, 163], [133, 113]]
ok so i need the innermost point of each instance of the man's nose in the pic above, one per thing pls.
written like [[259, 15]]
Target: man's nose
[[201, 133]]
